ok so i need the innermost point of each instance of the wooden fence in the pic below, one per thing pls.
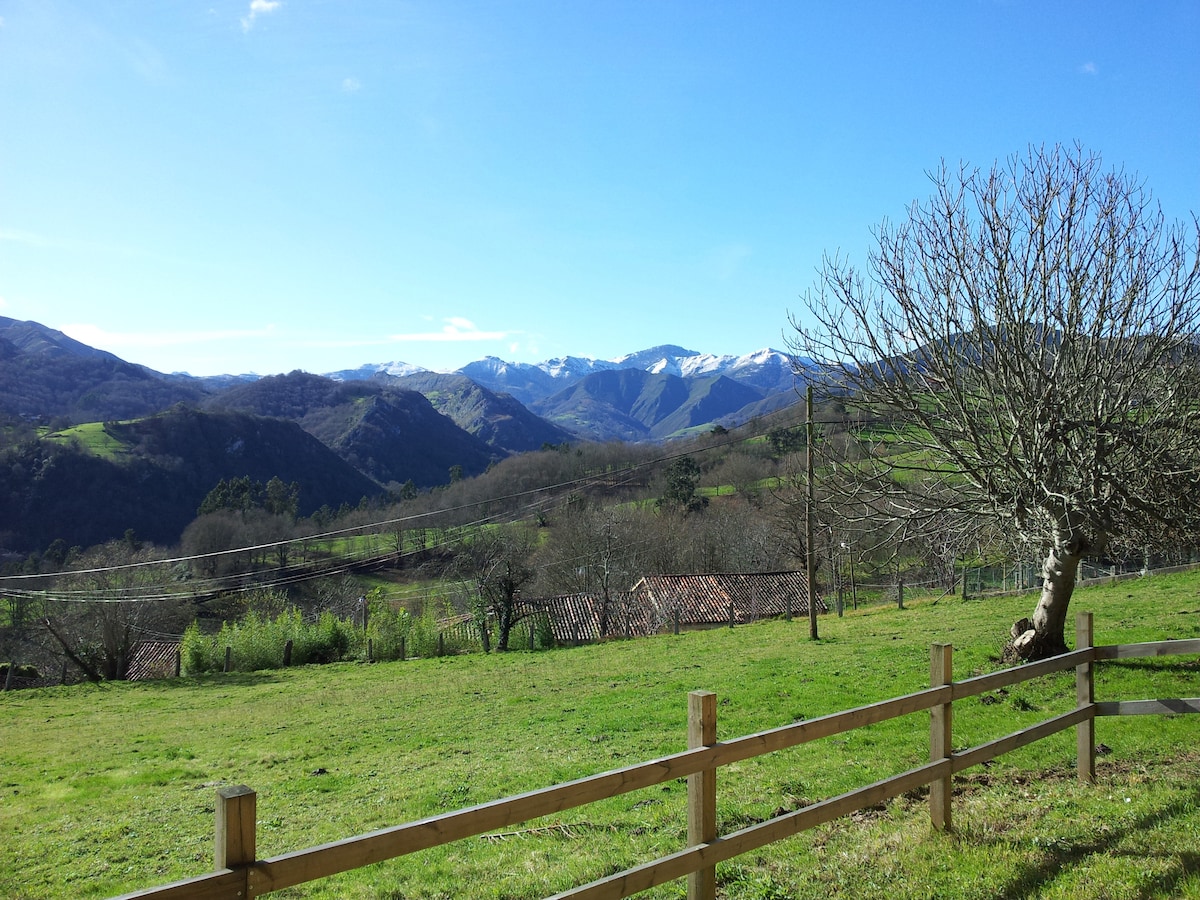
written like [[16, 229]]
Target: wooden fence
[[240, 874]]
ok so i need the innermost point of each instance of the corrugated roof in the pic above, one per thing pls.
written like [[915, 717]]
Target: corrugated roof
[[705, 599], [587, 617], [153, 659]]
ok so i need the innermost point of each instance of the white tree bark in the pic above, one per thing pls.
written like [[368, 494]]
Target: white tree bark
[[1059, 573]]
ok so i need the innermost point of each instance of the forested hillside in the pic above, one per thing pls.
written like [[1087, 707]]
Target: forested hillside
[[93, 447], [150, 476], [391, 434], [634, 405], [46, 375], [499, 420]]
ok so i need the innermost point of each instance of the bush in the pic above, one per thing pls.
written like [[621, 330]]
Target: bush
[[389, 629], [197, 652], [423, 634], [326, 641], [259, 639], [259, 642]]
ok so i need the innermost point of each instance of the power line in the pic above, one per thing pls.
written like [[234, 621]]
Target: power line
[[542, 496]]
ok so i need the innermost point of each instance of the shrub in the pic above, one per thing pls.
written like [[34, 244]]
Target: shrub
[[389, 627], [197, 652], [258, 642], [326, 641]]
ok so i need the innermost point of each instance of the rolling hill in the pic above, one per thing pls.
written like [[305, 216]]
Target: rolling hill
[[158, 443], [46, 375], [151, 474], [635, 405], [389, 433]]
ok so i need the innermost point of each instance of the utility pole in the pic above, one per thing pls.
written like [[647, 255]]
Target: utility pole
[[810, 556]]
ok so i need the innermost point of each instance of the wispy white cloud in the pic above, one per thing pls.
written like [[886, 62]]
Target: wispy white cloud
[[146, 60], [259, 8], [351, 85], [1089, 68], [37, 241], [727, 260], [455, 329], [95, 336], [28, 238]]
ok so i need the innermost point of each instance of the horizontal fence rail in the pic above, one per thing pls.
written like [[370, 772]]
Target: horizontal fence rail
[[239, 874]]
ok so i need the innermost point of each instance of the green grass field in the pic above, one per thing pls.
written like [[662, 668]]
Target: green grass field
[[92, 437], [111, 788]]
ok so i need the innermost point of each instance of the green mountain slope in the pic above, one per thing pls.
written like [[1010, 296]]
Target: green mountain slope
[[150, 475], [45, 374], [499, 420], [630, 404], [389, 433]]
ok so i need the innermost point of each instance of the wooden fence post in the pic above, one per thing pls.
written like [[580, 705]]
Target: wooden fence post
[[288, 646], [228, 659], [941, 717], [237, 809], [1085, 695], [702, 791]]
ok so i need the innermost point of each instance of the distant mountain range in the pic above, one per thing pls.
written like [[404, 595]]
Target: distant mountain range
[[655, 394], [769, 371], [385, 424]]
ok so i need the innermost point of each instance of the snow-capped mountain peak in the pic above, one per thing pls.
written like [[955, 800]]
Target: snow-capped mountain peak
[[396, 369], [767, 369]]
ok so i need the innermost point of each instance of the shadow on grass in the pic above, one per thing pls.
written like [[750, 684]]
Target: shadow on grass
[[1032, 880], [1155, 664], [217, 679]]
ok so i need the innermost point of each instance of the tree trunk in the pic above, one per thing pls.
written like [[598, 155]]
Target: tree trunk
[[505, 620], [1050, 616], [88, 670]]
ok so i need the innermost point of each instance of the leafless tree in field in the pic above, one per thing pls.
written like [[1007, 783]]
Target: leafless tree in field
[[1034, 328], [111, 598], [498, 564]]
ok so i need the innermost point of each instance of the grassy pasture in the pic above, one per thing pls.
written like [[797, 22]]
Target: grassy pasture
[[111, 788], [93, 438]]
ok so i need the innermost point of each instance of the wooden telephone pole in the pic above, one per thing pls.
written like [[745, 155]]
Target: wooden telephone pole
[[810, 556]]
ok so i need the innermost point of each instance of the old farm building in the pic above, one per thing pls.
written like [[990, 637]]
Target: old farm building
[[661, 602]]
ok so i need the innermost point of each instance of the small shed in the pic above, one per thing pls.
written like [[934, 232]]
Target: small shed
[[153, 659], [699, 601]]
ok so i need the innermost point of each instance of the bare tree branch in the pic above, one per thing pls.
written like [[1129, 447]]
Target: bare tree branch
[[1033, 328]]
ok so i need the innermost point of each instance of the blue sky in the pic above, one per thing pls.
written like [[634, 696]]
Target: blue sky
[[265, 186]]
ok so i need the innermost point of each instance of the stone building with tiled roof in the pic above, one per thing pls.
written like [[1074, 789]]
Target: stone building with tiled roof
[[699, 601], [658, 602], [588, 617]]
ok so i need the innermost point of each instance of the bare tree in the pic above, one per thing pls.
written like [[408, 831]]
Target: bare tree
[[497, 561], [595, 550], [1034, 327], [114, 597]]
